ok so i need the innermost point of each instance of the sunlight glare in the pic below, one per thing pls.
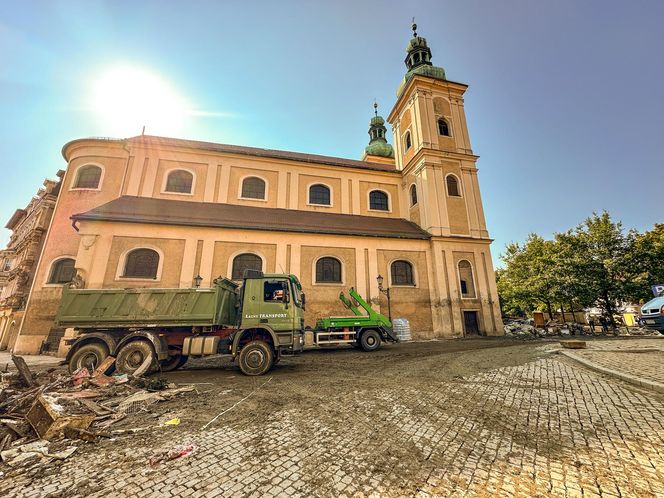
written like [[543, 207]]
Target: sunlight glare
[[125, 99]]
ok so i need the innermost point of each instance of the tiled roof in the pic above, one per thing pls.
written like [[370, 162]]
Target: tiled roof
[[258, 152], [205, 214]]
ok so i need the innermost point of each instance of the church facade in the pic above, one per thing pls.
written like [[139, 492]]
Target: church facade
[[161, 212]]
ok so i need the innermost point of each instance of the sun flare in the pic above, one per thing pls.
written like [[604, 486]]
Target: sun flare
[[126, 99]]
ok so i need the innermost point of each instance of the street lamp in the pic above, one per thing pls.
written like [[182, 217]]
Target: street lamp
[[197, 280], [385, 291]]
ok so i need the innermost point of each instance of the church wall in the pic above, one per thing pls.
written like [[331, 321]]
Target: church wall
[[305, 181], [225, 252], [169, 277], [62, 239], [199, 170], [412, 302], [393, 192]]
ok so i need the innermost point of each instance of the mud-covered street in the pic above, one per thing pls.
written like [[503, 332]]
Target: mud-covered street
[[478, 417]]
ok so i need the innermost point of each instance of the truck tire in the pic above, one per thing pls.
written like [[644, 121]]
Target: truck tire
[[256, 358], [89, 356], [370, 340], [133, 355], [173, 362]]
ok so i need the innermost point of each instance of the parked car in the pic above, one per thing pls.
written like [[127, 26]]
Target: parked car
[[652, 314]]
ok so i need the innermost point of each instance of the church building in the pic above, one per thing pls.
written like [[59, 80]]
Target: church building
[[150, 211]]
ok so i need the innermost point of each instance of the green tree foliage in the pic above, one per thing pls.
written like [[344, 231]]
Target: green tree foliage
[[596, 263]]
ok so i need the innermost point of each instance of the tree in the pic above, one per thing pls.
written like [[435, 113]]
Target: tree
[[605, 249], [528, 281], [645, 262]]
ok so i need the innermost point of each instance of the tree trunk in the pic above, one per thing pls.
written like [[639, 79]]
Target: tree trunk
[[562, 312], [609, 309], [548, 305]]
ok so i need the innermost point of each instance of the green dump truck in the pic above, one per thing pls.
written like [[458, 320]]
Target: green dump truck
[[149, 328]]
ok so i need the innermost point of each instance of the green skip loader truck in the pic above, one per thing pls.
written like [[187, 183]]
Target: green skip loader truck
[[257, 322]]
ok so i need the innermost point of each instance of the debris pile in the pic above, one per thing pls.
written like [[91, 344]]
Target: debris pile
[[43, 415], [525, 329], [642, 331]]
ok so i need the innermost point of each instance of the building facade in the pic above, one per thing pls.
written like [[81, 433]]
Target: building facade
[[18, 262], [159, 212]]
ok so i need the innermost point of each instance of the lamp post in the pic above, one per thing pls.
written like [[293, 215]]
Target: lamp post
[[385, 291], [197, 281]]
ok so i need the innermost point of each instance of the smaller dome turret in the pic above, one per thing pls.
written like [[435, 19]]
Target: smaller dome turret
[[378, 145]]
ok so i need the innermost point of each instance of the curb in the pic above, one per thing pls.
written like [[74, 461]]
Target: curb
[[637, 381]]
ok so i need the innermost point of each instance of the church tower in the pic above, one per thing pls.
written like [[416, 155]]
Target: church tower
[[441, 193], [433, 148]]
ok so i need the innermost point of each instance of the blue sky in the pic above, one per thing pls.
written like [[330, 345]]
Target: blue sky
[[565, 104]]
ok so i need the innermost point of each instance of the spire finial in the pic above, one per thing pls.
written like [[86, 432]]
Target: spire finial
[[414, 28], [375, 107]]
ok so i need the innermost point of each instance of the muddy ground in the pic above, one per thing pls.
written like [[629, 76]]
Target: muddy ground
[[336, 373]]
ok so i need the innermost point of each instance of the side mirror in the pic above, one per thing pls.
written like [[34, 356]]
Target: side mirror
[[304, 300]]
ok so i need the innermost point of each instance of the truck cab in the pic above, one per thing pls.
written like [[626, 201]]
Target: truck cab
[[271, 320]]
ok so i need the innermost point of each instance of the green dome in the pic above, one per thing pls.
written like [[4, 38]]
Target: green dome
[[379, 148], [416, 42], [377, 121], [434, 72]]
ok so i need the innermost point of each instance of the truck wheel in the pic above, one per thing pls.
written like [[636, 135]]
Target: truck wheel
[[173, 362], [370, 340], [89, 356], [256, 358], [133, 355]]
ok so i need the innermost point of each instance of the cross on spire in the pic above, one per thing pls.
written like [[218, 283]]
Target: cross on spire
[[414, 28]]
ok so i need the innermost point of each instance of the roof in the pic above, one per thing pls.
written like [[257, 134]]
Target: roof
[[151, 140], [206, 214], [16, 217]]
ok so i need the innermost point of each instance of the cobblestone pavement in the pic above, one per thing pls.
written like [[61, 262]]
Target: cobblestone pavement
[[543, 426], [641, 358]]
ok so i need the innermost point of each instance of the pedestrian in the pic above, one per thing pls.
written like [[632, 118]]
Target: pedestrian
[[604, 324], [591, 322]]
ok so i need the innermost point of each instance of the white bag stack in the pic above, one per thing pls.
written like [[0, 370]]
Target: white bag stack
[[401, 328]]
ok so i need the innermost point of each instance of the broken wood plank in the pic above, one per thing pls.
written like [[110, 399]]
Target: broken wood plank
[[95, 408], [104, 366], [24, 372]]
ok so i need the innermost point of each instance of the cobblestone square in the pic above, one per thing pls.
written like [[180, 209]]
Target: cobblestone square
[[462, 418]]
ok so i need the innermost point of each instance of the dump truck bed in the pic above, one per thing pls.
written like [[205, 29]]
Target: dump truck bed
[[149, 307]]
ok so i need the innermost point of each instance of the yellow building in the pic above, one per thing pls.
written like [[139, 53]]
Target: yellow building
[[158, 212]]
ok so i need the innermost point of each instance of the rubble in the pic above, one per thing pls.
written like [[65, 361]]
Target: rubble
[[526, 329], [40, 412]]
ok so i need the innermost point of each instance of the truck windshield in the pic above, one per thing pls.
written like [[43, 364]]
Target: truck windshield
[[297, 290]]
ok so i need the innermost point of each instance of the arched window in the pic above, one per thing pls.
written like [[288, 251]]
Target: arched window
[[328, 270], [319, 194], [402, 273], [253, 188], [179, 181], [141, 263], [466, 279], [62, 271], [378, 200], [452, 186], [413, 195], [443, 127], [408, 141], [88, 177], [246, 261]]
